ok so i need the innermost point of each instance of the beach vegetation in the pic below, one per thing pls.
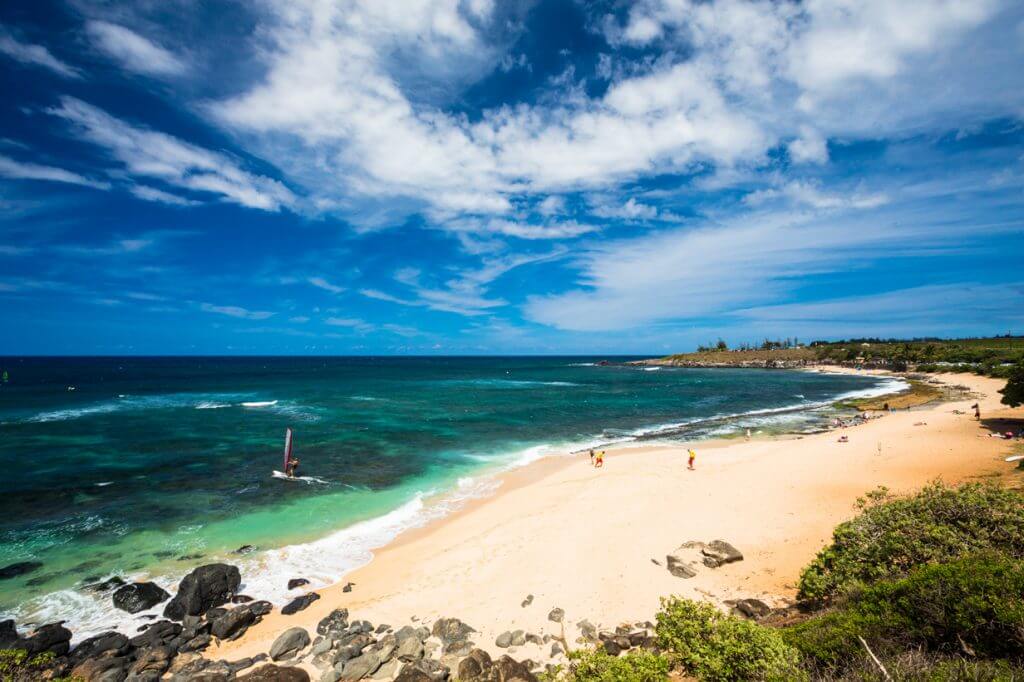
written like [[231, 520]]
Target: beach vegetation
[[1013, 392], [595, 665], [891, 535], [17, 665], [973, 605], [716, 647]]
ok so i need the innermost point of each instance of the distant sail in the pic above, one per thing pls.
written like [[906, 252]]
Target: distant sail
[[287, 448]]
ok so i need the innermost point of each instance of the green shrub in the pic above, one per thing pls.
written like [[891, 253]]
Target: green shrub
[[975, 603], [719, 648], [892, 535], [595, 665], [16, 665]]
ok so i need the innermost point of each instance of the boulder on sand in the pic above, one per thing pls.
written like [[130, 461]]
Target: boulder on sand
[[334, 623], [678, 565], [556, 615], [289, 643], [139, 597], [233, 623], [297, 582], [299, 603], [202, 589], [719, 552]]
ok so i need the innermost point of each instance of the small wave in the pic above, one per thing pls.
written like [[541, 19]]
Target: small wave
[[509, 383], [368, 398], [133, 403], [206, 405], [259, 403], [652, 369], [582, 364]]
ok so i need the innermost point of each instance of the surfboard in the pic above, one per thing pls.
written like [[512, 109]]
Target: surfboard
[[1015, 458], [302, 479]]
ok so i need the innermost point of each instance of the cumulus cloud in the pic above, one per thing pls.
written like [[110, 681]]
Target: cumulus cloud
[[151, 154], [36, 55], [631, 210], [736, 79], [134, 52]]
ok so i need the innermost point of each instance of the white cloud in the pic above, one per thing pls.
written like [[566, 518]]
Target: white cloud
[[552, 205], [19, 170], [749, 260], [321, 283], [631, 210], [465, 294], [158, 195], [133, 51], [356, 324], [37, 55], [342, 104], [810, 147], [807, 193], [235, 311], [152, 154], [917, 307]]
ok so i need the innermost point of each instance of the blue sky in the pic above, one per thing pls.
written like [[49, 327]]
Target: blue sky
[[476, 176]]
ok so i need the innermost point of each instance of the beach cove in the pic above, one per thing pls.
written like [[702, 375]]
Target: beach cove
[[593, 542]]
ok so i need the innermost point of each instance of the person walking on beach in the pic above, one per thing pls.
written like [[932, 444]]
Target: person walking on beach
[[977, 411], [599, 460], [592, 455], [693, 456]]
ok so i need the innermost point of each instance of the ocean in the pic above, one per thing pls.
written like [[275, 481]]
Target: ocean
[[148, 467]]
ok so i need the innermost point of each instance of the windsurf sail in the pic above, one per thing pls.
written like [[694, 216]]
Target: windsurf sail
[[287, 448]]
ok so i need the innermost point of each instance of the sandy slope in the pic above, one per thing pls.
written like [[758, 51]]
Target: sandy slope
[[583, 539]]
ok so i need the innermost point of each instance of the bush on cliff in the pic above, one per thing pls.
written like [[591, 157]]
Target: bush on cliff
[[972, 605], [595, 665], [891, 535], [715, 647]]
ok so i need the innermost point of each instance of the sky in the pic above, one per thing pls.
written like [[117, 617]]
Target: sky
[[479, 176]]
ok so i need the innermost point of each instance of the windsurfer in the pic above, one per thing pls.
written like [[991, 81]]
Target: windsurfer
[[293, 466]]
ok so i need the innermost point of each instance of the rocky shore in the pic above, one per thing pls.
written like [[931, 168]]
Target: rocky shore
[[757, 363], [207, 609]]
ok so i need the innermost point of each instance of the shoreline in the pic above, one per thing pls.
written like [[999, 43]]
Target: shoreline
[[402, 581], [402, 521]]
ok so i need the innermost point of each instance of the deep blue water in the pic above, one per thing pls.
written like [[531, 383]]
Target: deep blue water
[[151, 462]]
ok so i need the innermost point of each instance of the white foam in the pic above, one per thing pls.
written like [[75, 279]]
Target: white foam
[[652, 369], [130, 403], [209, 405], [260, 403]]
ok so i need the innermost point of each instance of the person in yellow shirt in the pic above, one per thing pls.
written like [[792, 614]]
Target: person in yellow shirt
[[693, 456], [599, 459]]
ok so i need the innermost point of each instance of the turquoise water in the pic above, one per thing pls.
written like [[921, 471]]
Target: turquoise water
[[151, 466]]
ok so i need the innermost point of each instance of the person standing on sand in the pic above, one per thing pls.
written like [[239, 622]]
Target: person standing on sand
[[592, 456], [977, 411], [693, 456], [599, 460]]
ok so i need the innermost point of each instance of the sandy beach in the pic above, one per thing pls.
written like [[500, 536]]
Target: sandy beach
[[586, 540]]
